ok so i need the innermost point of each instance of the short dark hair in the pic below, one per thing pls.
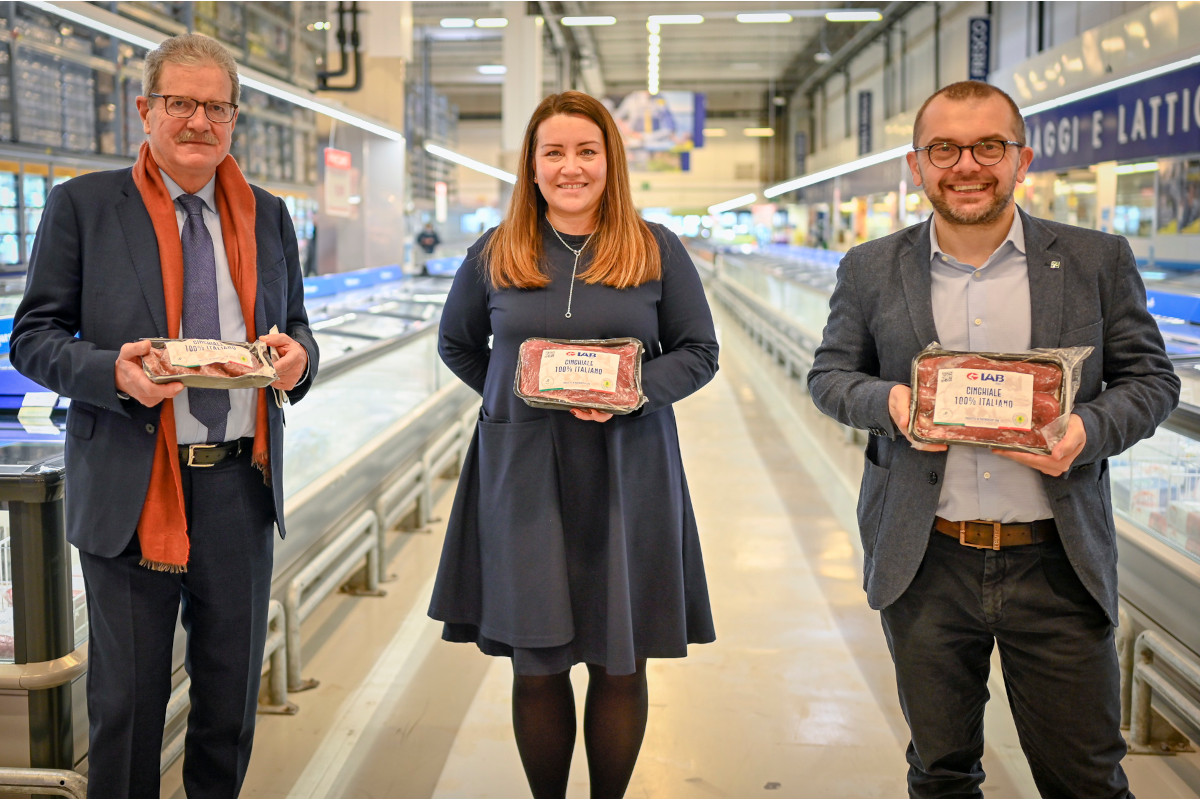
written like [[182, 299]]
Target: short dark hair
[[973, 90]]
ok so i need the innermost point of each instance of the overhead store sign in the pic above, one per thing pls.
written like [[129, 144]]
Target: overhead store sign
[[979, 48], [1150, 119]]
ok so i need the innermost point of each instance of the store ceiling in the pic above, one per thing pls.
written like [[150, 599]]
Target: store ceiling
[[740, 67]]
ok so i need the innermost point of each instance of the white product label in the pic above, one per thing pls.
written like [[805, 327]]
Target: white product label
[[984, 398], [585, 370], [198, 352]]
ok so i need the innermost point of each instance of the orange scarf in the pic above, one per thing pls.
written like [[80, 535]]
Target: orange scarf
[[162, 528]]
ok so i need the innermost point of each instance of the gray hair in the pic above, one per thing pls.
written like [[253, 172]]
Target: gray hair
[[193, 50]]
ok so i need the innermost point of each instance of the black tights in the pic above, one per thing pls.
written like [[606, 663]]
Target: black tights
[[614, 722]]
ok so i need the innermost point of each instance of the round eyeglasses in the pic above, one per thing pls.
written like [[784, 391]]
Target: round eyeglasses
[[177, 105], [987, 152]]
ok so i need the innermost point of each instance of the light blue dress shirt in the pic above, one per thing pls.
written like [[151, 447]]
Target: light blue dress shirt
[[242, 402], [986, 309]]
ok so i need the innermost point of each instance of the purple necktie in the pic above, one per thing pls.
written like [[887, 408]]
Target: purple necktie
[[201, 316]]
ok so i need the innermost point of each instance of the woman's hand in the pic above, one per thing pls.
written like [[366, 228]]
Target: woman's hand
[[591, 415]]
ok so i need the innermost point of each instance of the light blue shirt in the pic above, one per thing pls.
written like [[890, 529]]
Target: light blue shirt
[[242, 402], [986, 309]]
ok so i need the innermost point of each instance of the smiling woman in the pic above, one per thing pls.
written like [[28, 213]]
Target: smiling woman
[[548, 495]]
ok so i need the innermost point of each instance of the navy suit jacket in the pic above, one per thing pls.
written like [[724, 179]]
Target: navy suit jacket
[[94, 284], [1084, 290]]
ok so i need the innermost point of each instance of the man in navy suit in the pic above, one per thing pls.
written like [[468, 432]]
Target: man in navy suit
[[170, 514], [968, 547]]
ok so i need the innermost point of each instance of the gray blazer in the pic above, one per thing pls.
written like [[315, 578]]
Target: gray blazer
[[94, 284], [1085, 290]]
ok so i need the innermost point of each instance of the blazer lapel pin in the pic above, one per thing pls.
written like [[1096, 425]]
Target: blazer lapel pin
[[1055, 264]]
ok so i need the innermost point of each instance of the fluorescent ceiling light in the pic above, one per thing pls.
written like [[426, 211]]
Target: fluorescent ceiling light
[[730, 205], [470, 163], [124, 36], [492, 69], [765, 17], [1083, 94], [833, 172], [491, 22], [457, 22], [1131, 169], [760, 132], [714, 132], [254, 80], [855, 15], [676, 19], [588, 20]]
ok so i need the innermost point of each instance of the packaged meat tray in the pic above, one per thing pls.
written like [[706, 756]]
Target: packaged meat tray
[[604, 374], [1009, 401], [209, 363]]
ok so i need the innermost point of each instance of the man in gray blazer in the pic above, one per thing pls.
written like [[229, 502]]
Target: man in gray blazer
[[966, 547], [169, 512]]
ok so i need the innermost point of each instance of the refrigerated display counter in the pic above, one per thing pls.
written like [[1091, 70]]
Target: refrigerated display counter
[[1155, 484], [373, 408]]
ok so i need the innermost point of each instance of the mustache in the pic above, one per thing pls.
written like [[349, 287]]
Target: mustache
[[195, 136]]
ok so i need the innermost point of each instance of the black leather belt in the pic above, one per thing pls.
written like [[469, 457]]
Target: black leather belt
[[994, 535], [209, 455]]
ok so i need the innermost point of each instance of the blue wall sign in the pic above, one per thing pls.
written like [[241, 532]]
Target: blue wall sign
[[1149, 119], [979, 48], [864, 123]]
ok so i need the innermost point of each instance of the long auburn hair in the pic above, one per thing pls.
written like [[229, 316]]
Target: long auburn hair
[[623, 248]]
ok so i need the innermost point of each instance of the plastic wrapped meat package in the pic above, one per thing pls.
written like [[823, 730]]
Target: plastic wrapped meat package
[[209, 363], [602, 374], [1008, 401]]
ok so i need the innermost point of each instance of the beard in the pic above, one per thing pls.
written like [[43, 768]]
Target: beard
[[984, 215]]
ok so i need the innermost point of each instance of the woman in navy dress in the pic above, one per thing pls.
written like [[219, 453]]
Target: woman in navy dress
[[572, 537]]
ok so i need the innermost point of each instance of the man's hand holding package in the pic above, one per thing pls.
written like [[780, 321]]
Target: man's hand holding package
[[899, 403], [1061, 457], [292, 362], [131, 378]]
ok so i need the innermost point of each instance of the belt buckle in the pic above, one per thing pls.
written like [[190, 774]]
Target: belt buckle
[[191, 459], [962, 537]]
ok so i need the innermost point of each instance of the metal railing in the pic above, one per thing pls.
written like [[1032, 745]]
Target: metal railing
[[1166, 678]]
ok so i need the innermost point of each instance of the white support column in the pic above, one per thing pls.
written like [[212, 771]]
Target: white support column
[[522, 85]]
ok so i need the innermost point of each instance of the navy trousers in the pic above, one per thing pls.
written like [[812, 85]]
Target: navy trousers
[[222, 600], [1057, 655]]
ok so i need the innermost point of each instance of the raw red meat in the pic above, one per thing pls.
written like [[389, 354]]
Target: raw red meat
[[1047, 387], [160, 364], [626, 397]]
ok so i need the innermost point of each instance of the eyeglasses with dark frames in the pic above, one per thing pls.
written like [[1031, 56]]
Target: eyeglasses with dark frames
[[987, 152], [177, 105]]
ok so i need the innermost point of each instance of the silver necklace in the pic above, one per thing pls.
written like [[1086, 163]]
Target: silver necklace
[[575, 266]]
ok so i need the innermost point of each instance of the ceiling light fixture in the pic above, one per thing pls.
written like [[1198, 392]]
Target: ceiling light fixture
[[765, 17], [1133, 169], [730, 205], [251, 79], [569, 21], [854, 15], [676, 19], [457, 22], [653, 53], [470, 163], [761, 133], [491, 22], [492, 69]]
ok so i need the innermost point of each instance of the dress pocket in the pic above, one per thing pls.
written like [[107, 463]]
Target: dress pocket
[[526, 599]]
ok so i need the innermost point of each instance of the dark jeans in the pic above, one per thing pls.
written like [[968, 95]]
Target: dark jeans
[[1056, 652], [132, 612]]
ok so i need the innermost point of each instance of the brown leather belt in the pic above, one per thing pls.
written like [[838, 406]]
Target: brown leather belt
[[994, 535], [209, 455]]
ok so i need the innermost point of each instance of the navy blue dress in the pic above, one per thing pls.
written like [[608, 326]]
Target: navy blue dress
[[573, 541]]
